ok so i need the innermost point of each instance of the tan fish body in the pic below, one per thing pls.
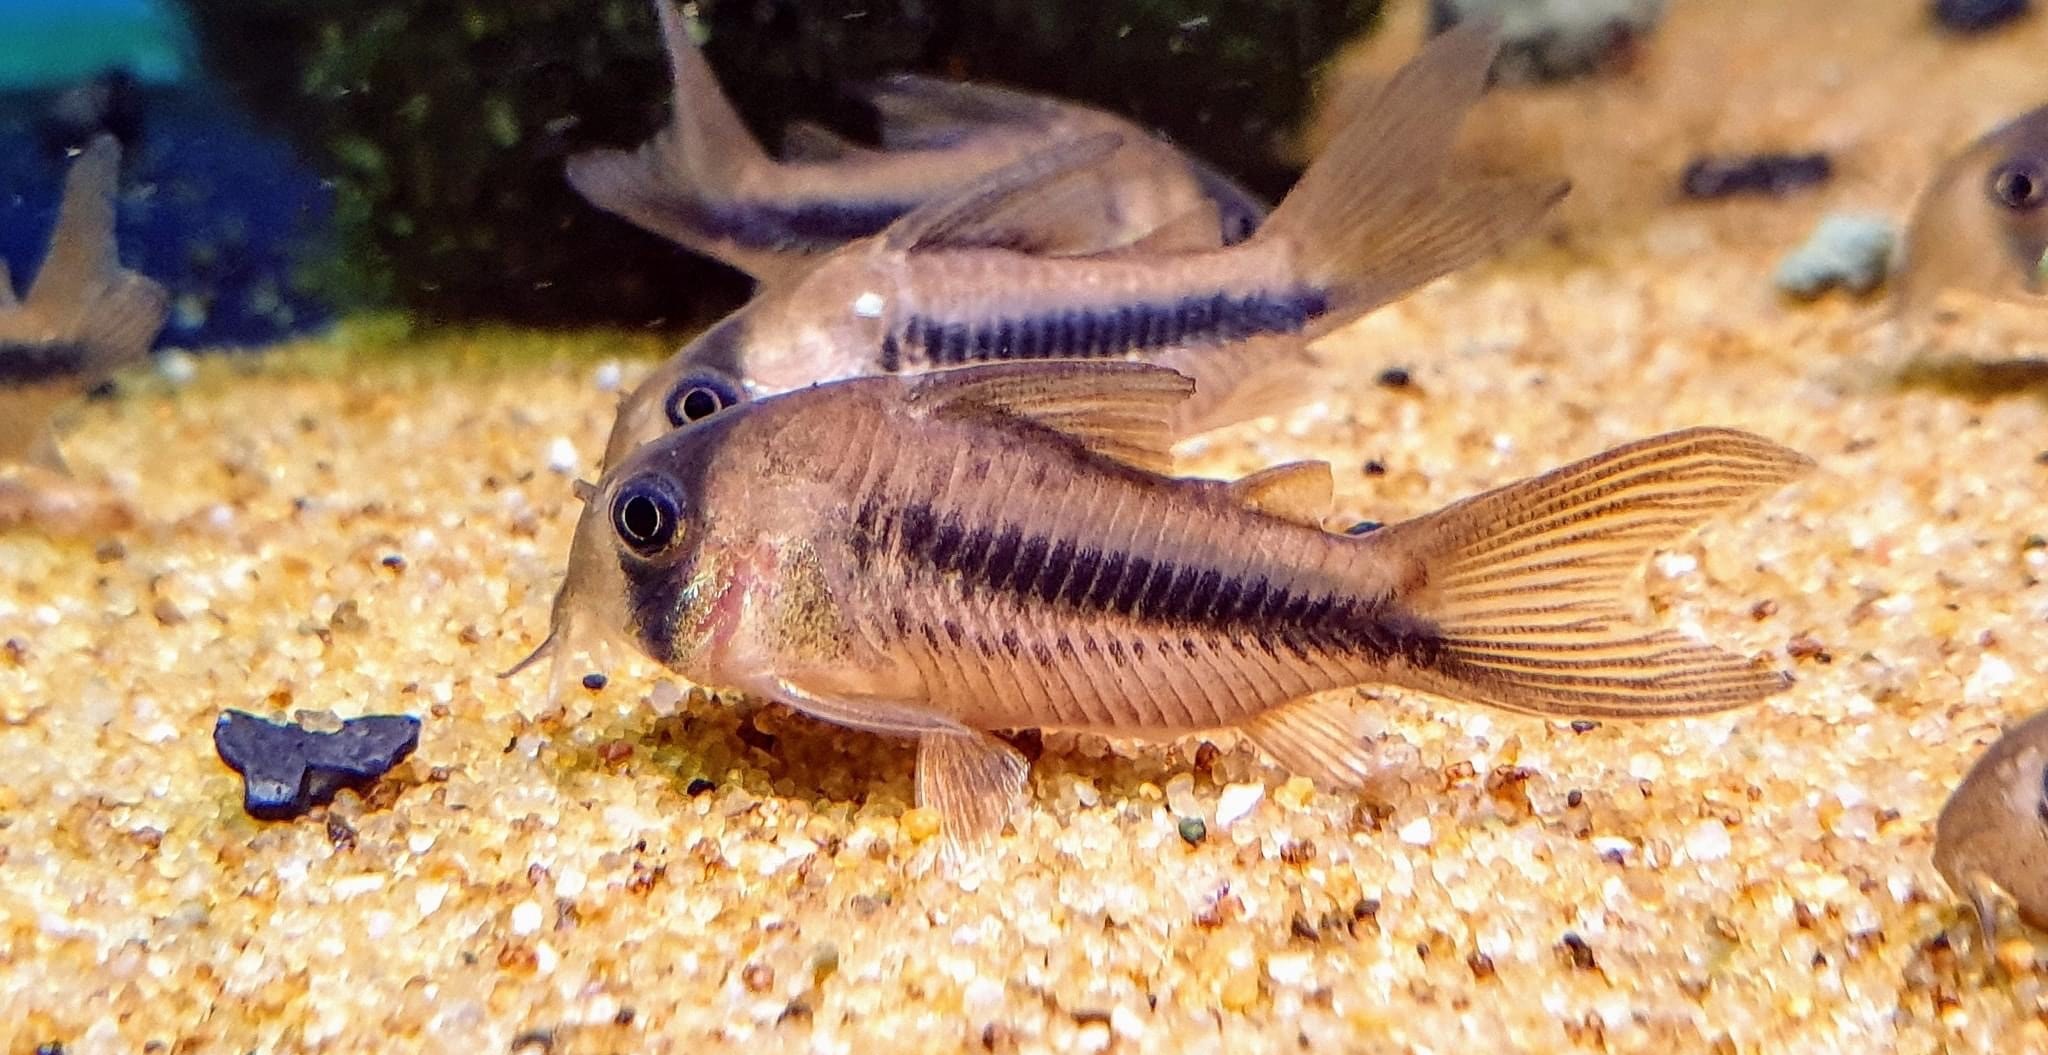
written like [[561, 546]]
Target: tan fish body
[[707, 184], [948, 285], [1370, 221], [995, 548], [83, 318], [1981, 226], [1991, 840]]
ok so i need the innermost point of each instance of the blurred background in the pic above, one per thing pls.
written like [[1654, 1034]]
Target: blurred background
[[291, 163]]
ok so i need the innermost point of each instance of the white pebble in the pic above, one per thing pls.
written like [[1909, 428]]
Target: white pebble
[[982, 995], [1180, 796], [608, 376], [1677, 565], [1086, 791], [525, 917], [1417, 832], [1126, 1023], [666, 698], [1992, 675], [176, 368], [1707, 841], [1236, 801], [1288, 968], [868, 305], [562, 455]]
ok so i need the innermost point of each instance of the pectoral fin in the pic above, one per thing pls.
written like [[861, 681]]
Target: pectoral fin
[[975, 782]]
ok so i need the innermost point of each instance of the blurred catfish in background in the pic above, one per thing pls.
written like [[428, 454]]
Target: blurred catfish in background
[[706, 183]]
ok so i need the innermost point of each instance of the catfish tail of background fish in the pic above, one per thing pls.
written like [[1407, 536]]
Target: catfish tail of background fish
[[82, 297], [1373, 217], [706, 138], [1522, 584]]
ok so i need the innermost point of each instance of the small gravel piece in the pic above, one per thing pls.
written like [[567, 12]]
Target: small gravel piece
[[1773, 174], [1193, 831], [1850, 250], [1977, 16], [287, 769]]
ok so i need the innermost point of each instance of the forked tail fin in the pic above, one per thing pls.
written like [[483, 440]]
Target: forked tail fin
[[1522, 583], [1374, 217]]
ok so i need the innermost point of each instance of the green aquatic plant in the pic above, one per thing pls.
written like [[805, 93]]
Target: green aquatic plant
[[443, 125]]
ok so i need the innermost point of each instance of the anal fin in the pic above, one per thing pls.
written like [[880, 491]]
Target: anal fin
[[1316, 738], [975, 782]]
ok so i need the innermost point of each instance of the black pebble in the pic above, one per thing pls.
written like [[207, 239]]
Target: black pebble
[[1395, 377], [1584, 725], [698, 786], [1712, 177], [287, 770], [1193, 830], [1976, 16], [594, 682], [53, 1047], [1375, 467], [1363, 527]]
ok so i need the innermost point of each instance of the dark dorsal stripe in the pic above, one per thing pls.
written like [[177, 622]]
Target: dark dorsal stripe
[[1078, 576], [35, 364], [1100, 333], [813, 226]]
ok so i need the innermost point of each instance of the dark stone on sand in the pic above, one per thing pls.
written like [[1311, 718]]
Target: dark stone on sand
[[1719, 177], [1396, 377], [595, 682], [1976, 16], [288, 769]]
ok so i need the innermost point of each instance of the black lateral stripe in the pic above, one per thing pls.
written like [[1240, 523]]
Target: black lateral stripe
[[34, 364], [892, 354], [1081, 333], [1250, 610]]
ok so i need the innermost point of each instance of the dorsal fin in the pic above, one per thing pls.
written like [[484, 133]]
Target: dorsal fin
[[1119, 410], [1302, 492], [82, 254], [706, 141], [1032, 205], [921, 113], [809, 141]]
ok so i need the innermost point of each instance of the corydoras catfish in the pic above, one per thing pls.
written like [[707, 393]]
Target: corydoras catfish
[[83, 318], [707, 184], [1991, 840], [1371, 219], [1981, 226], [996, 547]]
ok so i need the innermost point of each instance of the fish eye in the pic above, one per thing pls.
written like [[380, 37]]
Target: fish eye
[[698, 396], [645, 515], [2021, 186]]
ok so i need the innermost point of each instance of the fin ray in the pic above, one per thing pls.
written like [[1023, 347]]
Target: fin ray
[[1119, 410], [1317, 738], [1303, 492], [1041, 203], [1522, 582], [975, 782]]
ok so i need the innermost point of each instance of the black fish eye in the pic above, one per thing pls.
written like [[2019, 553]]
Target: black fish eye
[[698, 396], [2021, 186], [645, 515]]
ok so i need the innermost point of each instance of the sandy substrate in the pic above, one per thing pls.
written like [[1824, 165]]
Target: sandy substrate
[[382, 538]]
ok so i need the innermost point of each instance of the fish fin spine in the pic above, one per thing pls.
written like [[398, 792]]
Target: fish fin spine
[[1521, 585]]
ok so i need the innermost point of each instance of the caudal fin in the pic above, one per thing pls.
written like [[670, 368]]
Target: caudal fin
[[1373, 217], [1523, 583]]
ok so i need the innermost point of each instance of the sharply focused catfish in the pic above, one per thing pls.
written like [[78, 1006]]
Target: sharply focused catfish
[[83, 318], [995, 548], [967, 279], [1981, 225], [706, 183]]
